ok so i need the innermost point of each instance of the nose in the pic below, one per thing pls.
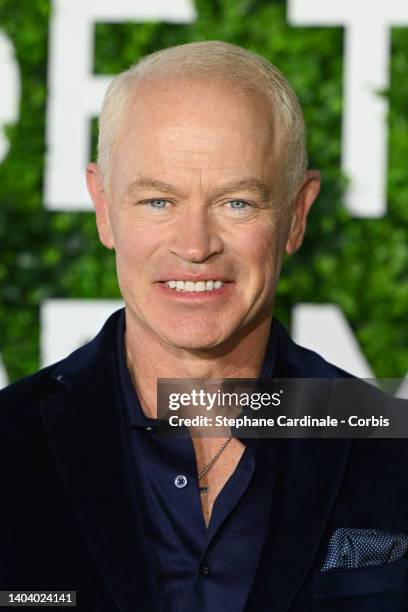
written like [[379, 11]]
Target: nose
[[196, 238]]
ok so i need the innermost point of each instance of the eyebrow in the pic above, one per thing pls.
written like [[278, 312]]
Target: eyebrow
[[254, 185], [145, 181]]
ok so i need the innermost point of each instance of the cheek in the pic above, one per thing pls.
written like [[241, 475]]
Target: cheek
[[135, 247], [262, 254], [134, 241]]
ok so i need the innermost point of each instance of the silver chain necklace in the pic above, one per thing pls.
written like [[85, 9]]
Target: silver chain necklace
[[211, 463]]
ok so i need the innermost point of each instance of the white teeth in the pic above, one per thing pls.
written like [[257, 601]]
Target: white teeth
[[180, 285]]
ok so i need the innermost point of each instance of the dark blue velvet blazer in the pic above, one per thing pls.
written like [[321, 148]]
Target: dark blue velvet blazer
[[69, 515]]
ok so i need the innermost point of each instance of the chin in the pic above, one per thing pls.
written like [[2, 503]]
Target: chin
[[193, 337], [191, 342]]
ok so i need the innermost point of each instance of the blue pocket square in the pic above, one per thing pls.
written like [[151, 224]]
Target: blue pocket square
[[350, 548]]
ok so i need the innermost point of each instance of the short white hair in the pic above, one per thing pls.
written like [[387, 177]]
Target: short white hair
[[251, 72]]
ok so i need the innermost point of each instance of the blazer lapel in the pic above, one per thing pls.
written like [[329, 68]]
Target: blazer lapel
[[308, 478], [84, 430]]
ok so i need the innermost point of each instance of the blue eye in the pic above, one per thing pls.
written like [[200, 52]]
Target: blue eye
[[157, 204], [238, 204]]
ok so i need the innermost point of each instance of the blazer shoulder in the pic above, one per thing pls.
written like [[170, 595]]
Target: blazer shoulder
[[22, 398], [24, 395]]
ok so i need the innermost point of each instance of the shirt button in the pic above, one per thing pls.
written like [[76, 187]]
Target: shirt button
[[204, 570], [180, 481], [149, 428]]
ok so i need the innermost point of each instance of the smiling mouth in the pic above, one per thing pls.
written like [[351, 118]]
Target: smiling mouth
[[197, 286]]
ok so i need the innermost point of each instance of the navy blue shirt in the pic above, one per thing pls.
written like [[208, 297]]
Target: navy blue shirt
[[200, 569]]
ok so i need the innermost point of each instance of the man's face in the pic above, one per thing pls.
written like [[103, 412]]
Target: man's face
[[197, 214]]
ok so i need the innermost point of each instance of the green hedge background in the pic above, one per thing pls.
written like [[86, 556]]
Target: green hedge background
[[360, 264]]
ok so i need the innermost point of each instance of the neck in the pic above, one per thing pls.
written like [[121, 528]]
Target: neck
[[241, 357]]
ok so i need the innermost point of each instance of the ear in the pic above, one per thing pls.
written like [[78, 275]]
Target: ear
[[304, 200], [94, 181]]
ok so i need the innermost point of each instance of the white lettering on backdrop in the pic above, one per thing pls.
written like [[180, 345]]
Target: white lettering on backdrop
[[68, 324], [10, 90], [75, 94], [366, 73]]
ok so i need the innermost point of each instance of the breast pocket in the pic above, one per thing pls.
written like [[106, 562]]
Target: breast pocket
[[361, 580]]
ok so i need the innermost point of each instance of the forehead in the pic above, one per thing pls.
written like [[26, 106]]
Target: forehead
[[204, 125]]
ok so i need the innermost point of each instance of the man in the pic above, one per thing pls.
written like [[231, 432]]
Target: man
[[201, 187]]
